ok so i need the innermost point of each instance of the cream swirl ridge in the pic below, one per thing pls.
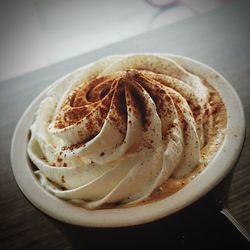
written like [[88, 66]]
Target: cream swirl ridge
[[121, 132]]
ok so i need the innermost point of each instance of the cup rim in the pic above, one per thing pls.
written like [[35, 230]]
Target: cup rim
[[217, 169]]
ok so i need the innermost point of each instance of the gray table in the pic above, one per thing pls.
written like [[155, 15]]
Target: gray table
[[220, 39]]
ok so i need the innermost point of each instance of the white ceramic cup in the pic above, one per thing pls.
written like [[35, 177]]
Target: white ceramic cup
[[212, 175]]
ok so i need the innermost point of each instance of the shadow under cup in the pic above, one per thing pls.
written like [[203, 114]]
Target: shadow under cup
[[194, 217], [205, 223]]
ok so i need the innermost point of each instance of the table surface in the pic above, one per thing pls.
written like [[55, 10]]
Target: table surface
[[219, 38]]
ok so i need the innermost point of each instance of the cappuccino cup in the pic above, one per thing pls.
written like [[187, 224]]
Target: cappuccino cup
[[190, 217]]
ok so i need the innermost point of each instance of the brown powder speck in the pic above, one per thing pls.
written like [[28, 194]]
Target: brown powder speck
[[196, 110], [206, 111], [102, 154], [62, 179], [218, 108], [43, 158], [59, 159], [185, 125]]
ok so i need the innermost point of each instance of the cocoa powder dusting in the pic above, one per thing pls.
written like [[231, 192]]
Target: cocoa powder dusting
[[215, 139], [83, 100], [141, 105], [111, 97]]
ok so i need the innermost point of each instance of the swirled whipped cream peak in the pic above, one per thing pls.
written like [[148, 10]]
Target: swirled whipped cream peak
[[123, 130]]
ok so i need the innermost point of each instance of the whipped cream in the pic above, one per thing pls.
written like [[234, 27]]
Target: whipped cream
[[114, 132]]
